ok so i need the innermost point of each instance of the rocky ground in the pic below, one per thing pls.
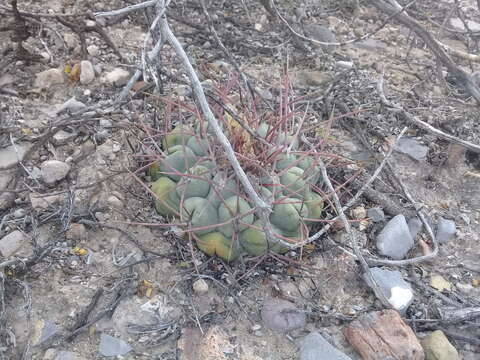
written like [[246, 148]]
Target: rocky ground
[[89, 270]]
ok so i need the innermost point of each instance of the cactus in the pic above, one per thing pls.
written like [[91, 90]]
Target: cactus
[[192, 182]]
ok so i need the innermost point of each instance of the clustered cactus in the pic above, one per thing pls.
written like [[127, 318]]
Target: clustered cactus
[[193, 182]]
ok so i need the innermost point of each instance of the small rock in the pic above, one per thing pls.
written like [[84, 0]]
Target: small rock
[[315, 347], [87, 74], [307, 78], [322, 34], [415, 225], [458, 24], [93, 50], [90, 23], [376, 214], [395, 239], [445, 230], [200, 286], [48, 78], [118, 77], [11, 243], [411, 147], [182, 90], [383, 335], [345, 64], [281, 315], [53, 171], [12, 155], [70, 40], [359, 213], [63, 137], [71, 105], [19, 213], [43, 331], [115, 202], [438, 282], [437, 347], [398, 292], [76, 232], [110, 346], [6, 200], [66, 355]]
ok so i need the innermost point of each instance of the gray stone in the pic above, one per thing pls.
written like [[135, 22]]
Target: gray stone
[[376, 214], [66, 355], [412, 148], [44, 330], [11, 243], [5, 179], [445, 230], [345, 64], [48, 78], [93, 50], [458, 24], [70, 40], [321, 33], [19, 213], [118, 77], [315, 347], [6, 200], [110, 346], [281, 315], [53, 171], [71, 105], [395, 239], [415, 225], [12, 155], [398, 292], [62, 137], [87, 74], [200, 286]]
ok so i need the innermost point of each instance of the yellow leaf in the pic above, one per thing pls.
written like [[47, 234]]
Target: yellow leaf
[[439, 283], [74, 75], [80, 251]]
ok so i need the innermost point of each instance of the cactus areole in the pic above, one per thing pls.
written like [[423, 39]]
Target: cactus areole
[[193, 182]]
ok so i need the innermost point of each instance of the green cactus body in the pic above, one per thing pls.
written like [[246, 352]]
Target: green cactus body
[[288, 214], [180, 160], [162, 188], [255, 243], [294, 182], [216, 243], [314, 203], [178, 136], [285, 161], [232, 207], [221, 190], [194, 187], [154, 171], [200, 213], [198, 145]]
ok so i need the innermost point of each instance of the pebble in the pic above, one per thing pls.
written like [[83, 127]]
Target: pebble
[[48, 78], [398, 292], [395, 239], [412, 148], [415, 225], [200, 286], [118, 77], [110, 346], [93, 50], [42, 202], [359, 213], [53, 171], [43, 331], [437, 347], [19, 213], [445, 230], [70, 40], [323, 34], [345, 64], [76, 232], [63, 137], [71, 105], [11, 243], [281, 315], [6, 200], [315, 347], [182, 90], [87, 74], [12, 155], [376, 214], [438, 282]]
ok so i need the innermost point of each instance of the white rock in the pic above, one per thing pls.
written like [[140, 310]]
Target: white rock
[[53, 171], [62, 137], [11, 155], [71, 105], [11, 243], [200, 286], [87, 74], [118, 77], [47, 78]]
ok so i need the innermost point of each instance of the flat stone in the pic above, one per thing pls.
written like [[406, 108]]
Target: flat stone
[[5, 179], [458, 24], [6, 200], [12, 155], [281, 315], [415, 225], [76, 232], [383, 335], [412, 148], [395, 239], [87, 73], [53, 171], [48, 78], [323, 34], [437, 347], [118, 77], [398, 292], [446, 230], [376, 214], [43, 331], [71, 105], [310, 78], [43, 202], [315, 347], [110, 346], [11, 243]]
